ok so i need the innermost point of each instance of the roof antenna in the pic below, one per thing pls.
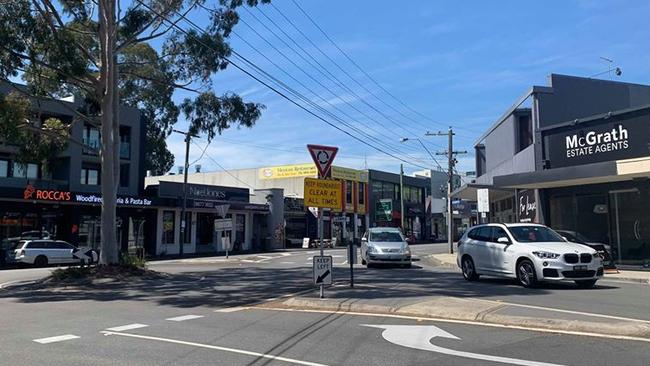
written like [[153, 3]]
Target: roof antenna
[[610, 67]]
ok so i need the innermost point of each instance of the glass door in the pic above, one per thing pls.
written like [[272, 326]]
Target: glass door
[[630, 226]]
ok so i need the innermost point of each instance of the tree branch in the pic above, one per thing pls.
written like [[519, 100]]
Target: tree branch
[[161, 82]]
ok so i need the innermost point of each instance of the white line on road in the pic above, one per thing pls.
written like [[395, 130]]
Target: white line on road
[[466, 322], [6, 285], [230, 310], [65, 337], [122, 328], [184, 317], [287, 262], [218, 348]]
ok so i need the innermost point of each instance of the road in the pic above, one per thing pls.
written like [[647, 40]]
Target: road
[[201, 315]]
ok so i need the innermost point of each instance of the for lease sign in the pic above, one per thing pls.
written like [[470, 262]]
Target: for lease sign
[[323, 193]]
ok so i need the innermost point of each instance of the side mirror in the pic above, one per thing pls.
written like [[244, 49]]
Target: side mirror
[[503, 240], [565, 239], [364, 240]]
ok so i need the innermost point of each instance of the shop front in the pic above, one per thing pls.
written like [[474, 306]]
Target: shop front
[[75, 217], [207, 204], [595, 183]]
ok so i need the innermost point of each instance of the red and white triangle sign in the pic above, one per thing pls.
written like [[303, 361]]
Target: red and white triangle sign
[[323, 157]]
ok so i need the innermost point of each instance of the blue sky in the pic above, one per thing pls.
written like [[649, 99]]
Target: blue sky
[[458, 63]]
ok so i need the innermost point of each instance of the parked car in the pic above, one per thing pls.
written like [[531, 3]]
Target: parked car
[[605, 250], [35, 234], [385, 245], [42, 252], [529, 253]]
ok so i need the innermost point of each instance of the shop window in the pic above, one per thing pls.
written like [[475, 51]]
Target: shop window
[[524, 132], [4, 168], [348, 192], [362, 193], [187, 234], [124, 175], [90, 175], [169, 224], [89, 231], [29, 171]]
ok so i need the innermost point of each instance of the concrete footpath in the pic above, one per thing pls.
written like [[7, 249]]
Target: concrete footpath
[[361, 300], [449, 261]]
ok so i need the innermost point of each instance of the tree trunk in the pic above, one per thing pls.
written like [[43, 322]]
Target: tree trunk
[[109, 119]]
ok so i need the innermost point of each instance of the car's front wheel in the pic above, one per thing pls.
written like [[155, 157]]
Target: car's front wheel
[[586, 283], [469, 270], [526, 273]]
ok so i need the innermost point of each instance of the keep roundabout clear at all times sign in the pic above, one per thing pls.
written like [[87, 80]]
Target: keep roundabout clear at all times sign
[[323, 193]]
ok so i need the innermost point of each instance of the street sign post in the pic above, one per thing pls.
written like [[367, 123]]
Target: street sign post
[[85, 255], [322, 270], [222, 224], [482, 202], [324, 195]]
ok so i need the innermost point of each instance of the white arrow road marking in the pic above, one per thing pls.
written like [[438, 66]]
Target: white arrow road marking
[[184, 317], [122, 328], [218, 348], [65, 337], [419, 337]]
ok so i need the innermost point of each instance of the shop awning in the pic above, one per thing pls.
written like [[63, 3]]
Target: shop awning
[[604, 172]]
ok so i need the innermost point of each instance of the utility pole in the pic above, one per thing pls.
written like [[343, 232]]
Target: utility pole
[[450, 181], [401, 197], [184, 224]]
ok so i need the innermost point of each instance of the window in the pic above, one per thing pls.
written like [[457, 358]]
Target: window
[[535, 234], [362, 193], [4, 168], [29, 171], [524, 132], [483, 233], [91, 139], [125, 142], [61, 245], [480, 160], [169, 225], [90, 176], [124, 175], [498, 232], [187, 234], [348, 192], [39, 245]]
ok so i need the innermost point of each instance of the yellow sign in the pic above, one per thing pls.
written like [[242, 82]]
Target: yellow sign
[[323, 193], [349, 174], [288, 171]]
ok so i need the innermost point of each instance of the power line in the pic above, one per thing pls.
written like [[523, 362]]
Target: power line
[[222, 167], [366, 74], [271, 87]]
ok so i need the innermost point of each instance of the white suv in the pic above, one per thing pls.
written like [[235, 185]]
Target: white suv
[[42, 252], [527, 252]]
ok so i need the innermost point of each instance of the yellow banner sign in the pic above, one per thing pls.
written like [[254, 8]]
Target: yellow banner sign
[[288, 171], [349, 174], [323, 193]]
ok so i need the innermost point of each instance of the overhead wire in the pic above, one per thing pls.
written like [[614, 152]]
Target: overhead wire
[[275, 90]]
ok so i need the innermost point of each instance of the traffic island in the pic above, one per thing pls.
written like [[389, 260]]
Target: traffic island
[[476, 311]]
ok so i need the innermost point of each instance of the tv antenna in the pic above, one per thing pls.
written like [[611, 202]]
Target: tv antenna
[[610, 68]]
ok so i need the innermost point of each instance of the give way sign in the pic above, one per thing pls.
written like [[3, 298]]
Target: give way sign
[[323, 157]]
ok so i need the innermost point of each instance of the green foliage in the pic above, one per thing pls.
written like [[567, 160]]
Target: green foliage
[[129, 261]]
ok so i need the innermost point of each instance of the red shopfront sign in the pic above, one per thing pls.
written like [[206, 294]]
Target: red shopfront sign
[[32, 193]]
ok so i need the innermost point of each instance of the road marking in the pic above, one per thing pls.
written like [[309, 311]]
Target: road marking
[[65, 337], [287, 262], [218, 348], [184, 317], [6, 285], [455, 321], [595, 315], [122, 328], [231, 310], [419, 337]]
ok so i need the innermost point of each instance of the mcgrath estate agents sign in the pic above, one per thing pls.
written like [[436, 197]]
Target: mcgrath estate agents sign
[[609, 139]]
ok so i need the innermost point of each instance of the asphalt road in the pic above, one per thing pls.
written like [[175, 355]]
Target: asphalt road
[[193, 317]]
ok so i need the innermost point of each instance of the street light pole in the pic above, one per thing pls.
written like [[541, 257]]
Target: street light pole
[[184, 224], [451, 162]]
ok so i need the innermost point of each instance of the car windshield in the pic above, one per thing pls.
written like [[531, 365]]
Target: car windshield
[[534, 234], [387, 236]]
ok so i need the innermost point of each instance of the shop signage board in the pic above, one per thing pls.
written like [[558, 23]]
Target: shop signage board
[[606, 139], [349, 174], [527, 205], [32, 193], [323, 157], [288, 171], [341, 219], [203, 192], [483, 200], [322, 270], [384, 210], [223, 224], [323, 193]]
